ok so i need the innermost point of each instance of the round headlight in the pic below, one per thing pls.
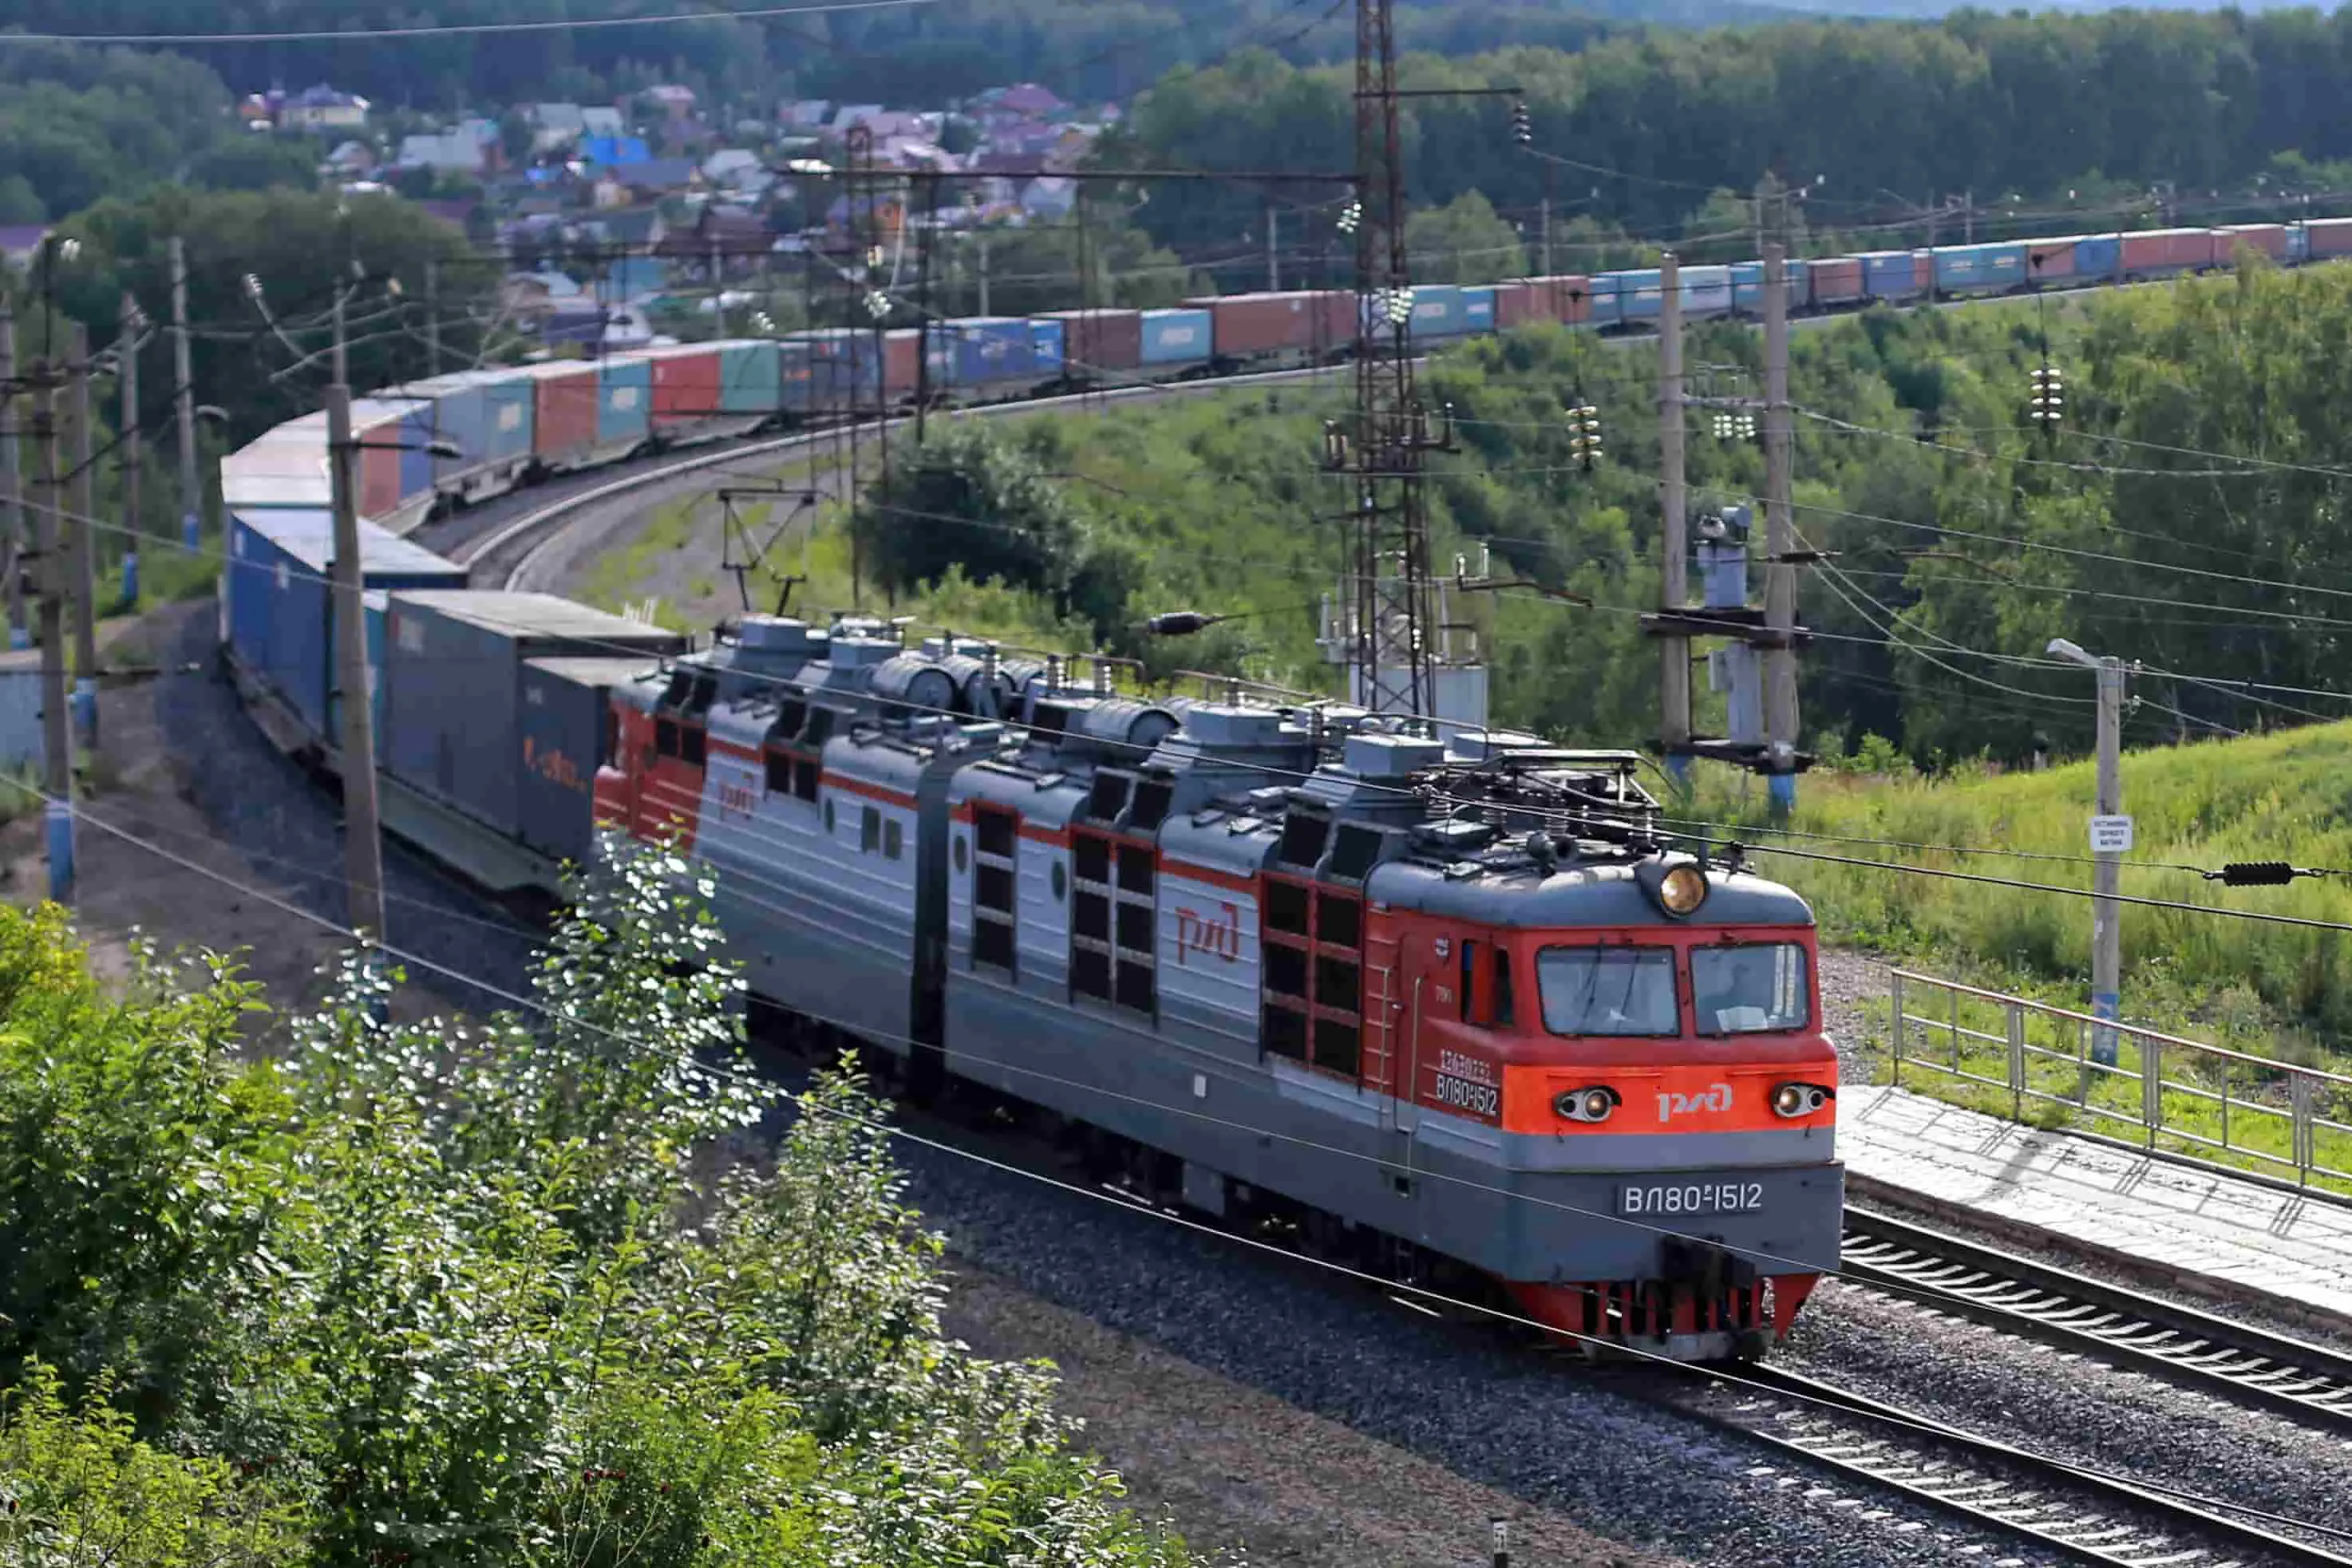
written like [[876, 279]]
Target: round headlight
[[1794, 1100], [1683, 890], [1585, 1104]]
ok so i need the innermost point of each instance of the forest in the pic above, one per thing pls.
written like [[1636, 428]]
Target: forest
[[2187, 516]]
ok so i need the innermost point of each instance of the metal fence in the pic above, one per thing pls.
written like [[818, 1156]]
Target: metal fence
[[2169, 1095]]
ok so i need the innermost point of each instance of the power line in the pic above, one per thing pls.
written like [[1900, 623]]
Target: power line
[[453, 29]]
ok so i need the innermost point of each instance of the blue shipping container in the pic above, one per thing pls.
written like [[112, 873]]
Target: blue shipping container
[[460, 404], [1707, 291], [750, 380], [795, 372], [1176, 337], [981, 351], [2098, 256], [416, 439], [624, 401], [1608, 306], [375, 599], [844, 371], [296, 649], [1637, 295], [2298, 245], [1889, 275], [1046, 342], [1980, 268], [510, 416], [1748, 287], [1437, 312], [1478, 310]]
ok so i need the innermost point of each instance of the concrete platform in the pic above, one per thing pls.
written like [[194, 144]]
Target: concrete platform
[[2168, 1223]]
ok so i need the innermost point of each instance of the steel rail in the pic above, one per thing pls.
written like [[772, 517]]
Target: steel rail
[[2193, 1348], [1977, 1477]]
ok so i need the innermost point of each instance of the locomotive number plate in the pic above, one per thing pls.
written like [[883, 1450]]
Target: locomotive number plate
[[1691, 1197]]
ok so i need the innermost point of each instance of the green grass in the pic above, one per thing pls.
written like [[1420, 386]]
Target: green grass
[[2270, 990]]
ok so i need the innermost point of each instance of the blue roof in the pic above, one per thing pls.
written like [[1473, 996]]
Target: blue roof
[[615, 149], [309, 536]]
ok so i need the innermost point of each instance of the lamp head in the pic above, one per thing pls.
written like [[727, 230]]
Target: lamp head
[[2062, 648]]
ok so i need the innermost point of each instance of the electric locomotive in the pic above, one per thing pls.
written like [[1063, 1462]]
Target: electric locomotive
[[1464, 995]]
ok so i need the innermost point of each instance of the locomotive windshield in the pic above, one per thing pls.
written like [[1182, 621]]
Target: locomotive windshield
[[1752, 987], [1608, 990]]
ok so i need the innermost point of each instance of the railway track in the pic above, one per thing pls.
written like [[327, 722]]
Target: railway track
[[2076, 1513], [2024, 1295]]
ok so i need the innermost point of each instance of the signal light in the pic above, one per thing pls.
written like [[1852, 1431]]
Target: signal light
[[2048, 405], [1350, 216], [1735, 428], [1523, 130], [1584, 434]]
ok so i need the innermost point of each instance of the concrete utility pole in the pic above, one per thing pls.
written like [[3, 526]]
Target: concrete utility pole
[[1673, 583], [983, 237], [192, 494], [12, 515], [80, 570], [56, 739], [1273, 251], [432, 315], [363, 840], [132, 449], [2110, 839], [1780, 723]]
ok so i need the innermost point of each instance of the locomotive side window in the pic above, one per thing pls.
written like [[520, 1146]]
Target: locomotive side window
[[1112, 947], [996, 838], [1312, 965], [1750, 987], [1608, 990], [1486, 985]]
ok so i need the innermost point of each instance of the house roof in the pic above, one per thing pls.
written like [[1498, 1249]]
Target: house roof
[[614, 150], [601, 122], [21, 239], [729, 159], [658, 174], [1028, 97], [455, 149], [560, 117]]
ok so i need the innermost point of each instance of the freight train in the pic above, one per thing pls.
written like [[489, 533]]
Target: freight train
[[1461, 999], [1457, 1005], [516, 424]]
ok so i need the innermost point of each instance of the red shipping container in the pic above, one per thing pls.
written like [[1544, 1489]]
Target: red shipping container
[[2329, 236], [686, 384], [902, 362], [2167, 250], [2268, 238], [1567, 297], [1304, 321], [1923, 270], [1837, 278], [2044, 260], [565, 410], [379, 468], [1099, 340]]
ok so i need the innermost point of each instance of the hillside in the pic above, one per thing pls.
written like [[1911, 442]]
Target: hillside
[[2277, 796]]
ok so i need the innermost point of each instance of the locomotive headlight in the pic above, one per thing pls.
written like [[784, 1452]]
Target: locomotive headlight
[[1585, 1104], [1791, 1101], [1683, 890]]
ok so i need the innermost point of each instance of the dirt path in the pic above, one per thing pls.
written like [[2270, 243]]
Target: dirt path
[[198, 834], [1227, 1465]]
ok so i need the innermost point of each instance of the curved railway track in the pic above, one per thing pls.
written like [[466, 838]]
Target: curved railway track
[[2057, 1306]]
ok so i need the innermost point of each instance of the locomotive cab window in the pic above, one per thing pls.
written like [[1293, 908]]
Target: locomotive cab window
[[1750, 987], [1486, 985], [1608, 990]]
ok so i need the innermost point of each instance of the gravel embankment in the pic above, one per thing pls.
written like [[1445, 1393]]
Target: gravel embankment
[[2073, 1405]]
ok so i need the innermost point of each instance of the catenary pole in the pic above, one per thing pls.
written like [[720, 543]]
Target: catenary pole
[[1781, 719], [12, 515], [132, 460], [56, 738], [80, 570], [363, 840], [1673, 582], [2106, 930], [192, 495]]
